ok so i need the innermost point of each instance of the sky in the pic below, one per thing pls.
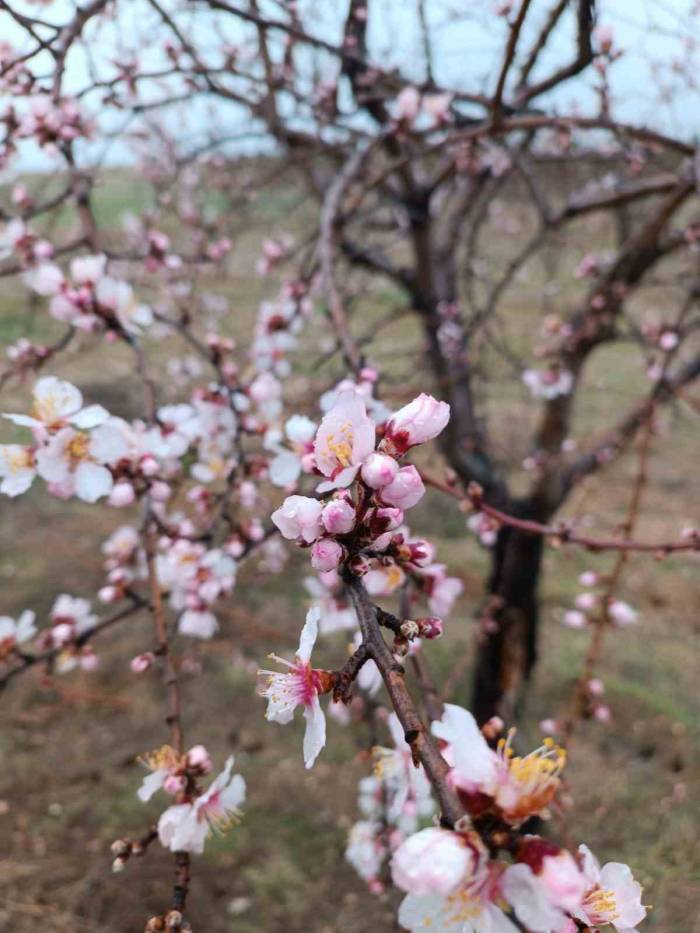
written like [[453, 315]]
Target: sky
[[465, 37]]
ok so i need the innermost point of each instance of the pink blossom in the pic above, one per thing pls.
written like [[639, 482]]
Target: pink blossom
[[122, 494], [612, 895], [142, 662], [16, 632], [379, 470], [573, 618], [432, 861], [345, 438], [545, 888], [622, 613], [301, 685], [17, 469], [198, 623], [299, 517], [326, 554], [416, 423], [185, 827], [406, 490], [338, 517], [519, 786]]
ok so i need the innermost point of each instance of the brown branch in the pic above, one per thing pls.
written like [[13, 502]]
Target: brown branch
[[163, 647], [602, 621], [561, 533], [423, 746], [515, 29], [29, 660]]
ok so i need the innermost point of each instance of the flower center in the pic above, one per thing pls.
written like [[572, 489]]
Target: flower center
[[536, 776], [46, 409], [19, 460], [342, 447], [78, 446], [164, 757], [602, 906]]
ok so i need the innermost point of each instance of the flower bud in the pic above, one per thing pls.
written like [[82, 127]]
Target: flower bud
[[173, 784], [326, 554], [108, 594], [122, 494], [379, 470], [390, 517], [299, 517], [160, 492], [142, 662], [198, 757], [149, 466], [429, 627], [419, 421], [338, 517], [432, 862], [383, 541], [406, 490]]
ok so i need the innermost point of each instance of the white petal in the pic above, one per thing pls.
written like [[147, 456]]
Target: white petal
[[24, 420], [89, 417], [92, 481], [151, 784], [309, 634], [57, 398], [284, 469], [51, 465], [108, 444], [17, 483], [315, 733], [26, 628]]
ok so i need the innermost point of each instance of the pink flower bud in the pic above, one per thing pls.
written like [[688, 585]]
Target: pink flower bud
[[62, 633], [173, 783], [430, 627], [299, 517], [160, 492], [326, 554], [338, 517], [574, 619], [122, 494], [433, 862], [596, 687], [406, 490], [142, 662], [383, 541], [422, 552], [391, 517], [149, 466], [588, 578], [419, 421], [198, 757], [89, 660], [379, 470], [108, 594]]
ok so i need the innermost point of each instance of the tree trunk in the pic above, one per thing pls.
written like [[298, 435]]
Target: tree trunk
[[507, 647]]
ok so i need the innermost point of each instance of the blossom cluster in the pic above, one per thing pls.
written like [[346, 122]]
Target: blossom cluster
[[393, 802], [455, 885], [185, 825]]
